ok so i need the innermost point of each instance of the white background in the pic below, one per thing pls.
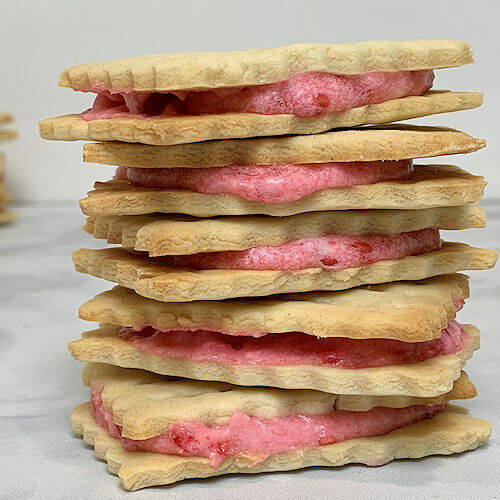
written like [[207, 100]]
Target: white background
[[41, 38]]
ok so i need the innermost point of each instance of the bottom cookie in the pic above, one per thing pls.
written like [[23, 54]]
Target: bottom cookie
[[450, 431]]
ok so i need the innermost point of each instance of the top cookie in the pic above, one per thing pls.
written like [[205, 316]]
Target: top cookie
[[204, 70]]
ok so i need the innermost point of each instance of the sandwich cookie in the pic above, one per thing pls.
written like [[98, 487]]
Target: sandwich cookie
[[299, 89], [309, 341], [352, 169], [153, 430]]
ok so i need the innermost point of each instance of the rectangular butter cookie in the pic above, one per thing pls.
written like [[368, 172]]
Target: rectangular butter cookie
[[203, 70], [408, 311], [170, 130], [128, 83], [391, 142]]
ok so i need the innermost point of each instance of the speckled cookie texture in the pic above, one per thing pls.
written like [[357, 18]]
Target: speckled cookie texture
[[451, 431], [204, 70], [145, 404], [209, 70], [172, 234], [430, 186], [394, 142], [164, 131], [409, 311], [429, 378], [151, 279]]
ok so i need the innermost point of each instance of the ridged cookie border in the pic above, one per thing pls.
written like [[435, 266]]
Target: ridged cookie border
[[430, 186], [202, 70]]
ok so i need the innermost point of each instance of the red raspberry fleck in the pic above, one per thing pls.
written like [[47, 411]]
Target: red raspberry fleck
[[331, 359], [223, 447], [329, 261], [322, 100], [362, 247], [183, 440]]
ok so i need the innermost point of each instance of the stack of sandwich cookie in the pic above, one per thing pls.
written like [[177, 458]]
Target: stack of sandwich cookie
[[6, 134], [297, 283]]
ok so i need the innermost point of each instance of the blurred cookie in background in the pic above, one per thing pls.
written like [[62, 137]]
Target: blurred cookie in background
[[6, 134]]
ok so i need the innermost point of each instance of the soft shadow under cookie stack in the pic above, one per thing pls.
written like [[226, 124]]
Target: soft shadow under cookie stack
[[297, 283]]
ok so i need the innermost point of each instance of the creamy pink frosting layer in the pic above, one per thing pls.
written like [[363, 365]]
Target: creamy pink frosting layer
[[305, 95], [331, 251], [294, 348], [245, 434], [269, 183]]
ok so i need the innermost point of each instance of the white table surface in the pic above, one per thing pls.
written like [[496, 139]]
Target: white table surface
[[39, 296]]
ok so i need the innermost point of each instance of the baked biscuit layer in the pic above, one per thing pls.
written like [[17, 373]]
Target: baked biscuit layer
[[409, 311], [205, 70], [391, 142], [172, 234]]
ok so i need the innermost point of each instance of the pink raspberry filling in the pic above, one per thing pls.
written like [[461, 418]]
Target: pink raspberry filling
[[304, 94], [332, 252], [269, 183], [294, 348], [245, 434], [311, 94]]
